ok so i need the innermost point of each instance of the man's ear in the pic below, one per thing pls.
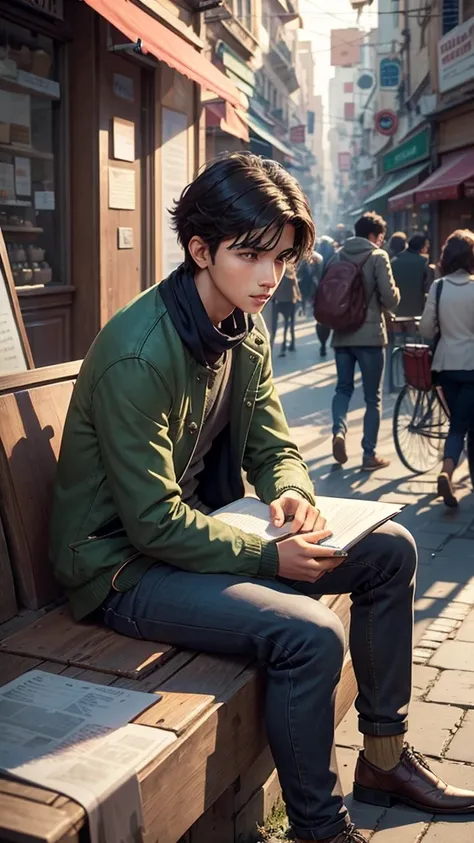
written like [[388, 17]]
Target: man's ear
[[199, 251]]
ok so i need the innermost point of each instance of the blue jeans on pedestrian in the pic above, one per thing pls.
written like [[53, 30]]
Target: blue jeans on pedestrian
[[458, 390], [371, 360]]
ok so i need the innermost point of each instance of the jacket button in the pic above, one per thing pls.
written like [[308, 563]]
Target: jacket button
[[198, 378], [248, 403], [192, 427], [252, 358], [258, 341]]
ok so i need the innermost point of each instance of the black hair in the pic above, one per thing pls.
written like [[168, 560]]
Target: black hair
[[417, 242], [245, 198], [458, 252], [397, 243], [370, 223]]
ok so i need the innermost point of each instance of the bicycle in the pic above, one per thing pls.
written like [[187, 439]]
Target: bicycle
[[421, 415], [400, 330]]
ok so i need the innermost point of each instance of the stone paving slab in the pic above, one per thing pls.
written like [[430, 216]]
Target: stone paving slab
[[459, 775], [454, 687], [455, 655], [466, 631], [401, 825], [431, 725], [423, 678], [455, 831], [461, 747]]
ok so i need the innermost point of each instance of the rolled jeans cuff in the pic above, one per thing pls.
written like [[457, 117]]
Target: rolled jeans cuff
[[322, 832], [382, 730]]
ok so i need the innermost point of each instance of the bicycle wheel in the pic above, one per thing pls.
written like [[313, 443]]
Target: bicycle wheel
[[397, 372], [420, 426]]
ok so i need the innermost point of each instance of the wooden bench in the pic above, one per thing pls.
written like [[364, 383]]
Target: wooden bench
[[215, 779]]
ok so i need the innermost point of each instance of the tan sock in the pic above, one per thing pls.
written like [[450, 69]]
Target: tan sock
[[383, 752]]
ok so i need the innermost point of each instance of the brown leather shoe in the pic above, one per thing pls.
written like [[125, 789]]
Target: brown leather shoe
[[339, 448], [374, 463], [411, 782], [348, 835]]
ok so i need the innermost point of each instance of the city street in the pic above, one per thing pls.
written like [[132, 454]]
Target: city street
[[442, 711]]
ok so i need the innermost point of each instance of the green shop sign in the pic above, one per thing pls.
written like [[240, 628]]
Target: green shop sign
[[415, 149]]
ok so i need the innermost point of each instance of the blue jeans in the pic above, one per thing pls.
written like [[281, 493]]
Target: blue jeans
[[371, 360], [458, 390], [300, 643]]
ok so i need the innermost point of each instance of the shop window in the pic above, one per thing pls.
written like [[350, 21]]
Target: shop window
[[450, 15], [389, 73], [30, 96]]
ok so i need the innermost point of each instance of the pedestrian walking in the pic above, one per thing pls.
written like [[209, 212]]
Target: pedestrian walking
[[412, 275], [327, 249], [174, 400], [449, 317], [309, 275], [397, 244], [284, 302], [366, 344]]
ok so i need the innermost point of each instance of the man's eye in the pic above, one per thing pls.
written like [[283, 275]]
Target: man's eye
[[248, 255]]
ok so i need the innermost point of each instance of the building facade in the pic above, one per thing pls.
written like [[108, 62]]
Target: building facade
[[101, 128]]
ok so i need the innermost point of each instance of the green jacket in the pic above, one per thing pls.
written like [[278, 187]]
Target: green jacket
[[130, 433]]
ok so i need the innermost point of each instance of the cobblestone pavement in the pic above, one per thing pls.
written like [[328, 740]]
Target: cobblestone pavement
[[442, 710]]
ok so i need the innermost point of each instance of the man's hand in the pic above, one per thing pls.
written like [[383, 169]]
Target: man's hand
[[304, 516], [301, 557]]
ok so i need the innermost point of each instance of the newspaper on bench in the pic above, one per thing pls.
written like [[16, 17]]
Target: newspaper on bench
[[75, 737]]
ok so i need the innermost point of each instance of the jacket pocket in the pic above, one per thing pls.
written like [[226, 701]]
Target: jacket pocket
[[96, 555]]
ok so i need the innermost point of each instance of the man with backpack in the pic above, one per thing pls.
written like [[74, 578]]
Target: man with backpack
[[355, 292]]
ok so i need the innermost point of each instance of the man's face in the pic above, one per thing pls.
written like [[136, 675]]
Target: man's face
[[246, 278]]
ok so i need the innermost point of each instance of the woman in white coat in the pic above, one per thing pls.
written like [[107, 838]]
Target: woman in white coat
[[454, 356]]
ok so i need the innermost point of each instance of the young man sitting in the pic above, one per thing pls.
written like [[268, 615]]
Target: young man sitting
[[173, 400]]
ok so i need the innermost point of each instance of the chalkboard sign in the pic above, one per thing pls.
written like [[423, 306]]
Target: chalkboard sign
[[15, 353]]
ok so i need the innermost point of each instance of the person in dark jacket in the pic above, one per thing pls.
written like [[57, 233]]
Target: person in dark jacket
[[397, 244], [412, 276], [284, 301]]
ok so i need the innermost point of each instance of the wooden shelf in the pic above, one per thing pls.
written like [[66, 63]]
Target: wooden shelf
[[21, 229], [16, 203], [26, 151], [14, 86]]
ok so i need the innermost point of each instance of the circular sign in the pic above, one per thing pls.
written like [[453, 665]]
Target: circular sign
[[386, 122], [365, 81]]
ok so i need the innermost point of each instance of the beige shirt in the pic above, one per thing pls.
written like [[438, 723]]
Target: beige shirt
[[455, 351]]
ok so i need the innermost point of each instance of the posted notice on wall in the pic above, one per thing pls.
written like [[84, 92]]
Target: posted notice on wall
[[12, 356], [75, 737], [174, 158]]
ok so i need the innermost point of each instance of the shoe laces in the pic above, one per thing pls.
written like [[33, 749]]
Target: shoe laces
[[415, 756], [351, 835]]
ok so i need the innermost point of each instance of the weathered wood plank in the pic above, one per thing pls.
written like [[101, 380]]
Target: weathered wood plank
[[40, 377], [203, 682], [8, 606], [57, 637], [13, 666], [33, 822], [203, 762]]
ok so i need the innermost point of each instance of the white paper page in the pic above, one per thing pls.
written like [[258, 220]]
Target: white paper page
[[349, 520], [72, 736]]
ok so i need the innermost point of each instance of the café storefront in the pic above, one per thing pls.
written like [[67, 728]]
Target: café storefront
[[101, 127]]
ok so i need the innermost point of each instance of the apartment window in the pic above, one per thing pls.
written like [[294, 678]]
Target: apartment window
[[389, 73], [348, 87], [243, 9], [396, 12], [450, 15]]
